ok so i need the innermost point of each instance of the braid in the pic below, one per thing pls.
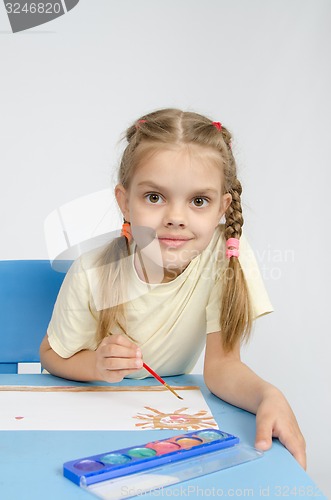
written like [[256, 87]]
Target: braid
[[227, 138], [234, 218], [236, 316]]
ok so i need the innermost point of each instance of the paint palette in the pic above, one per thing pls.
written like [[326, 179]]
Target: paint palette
[[158, 463], [135, 459]]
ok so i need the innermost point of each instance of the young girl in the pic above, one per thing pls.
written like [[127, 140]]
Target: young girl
[[175, 281]]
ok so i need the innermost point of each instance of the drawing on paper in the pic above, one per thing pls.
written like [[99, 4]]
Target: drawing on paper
[[175, 420]]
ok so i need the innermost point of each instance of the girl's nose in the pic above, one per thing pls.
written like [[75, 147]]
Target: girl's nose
[[175, 218]]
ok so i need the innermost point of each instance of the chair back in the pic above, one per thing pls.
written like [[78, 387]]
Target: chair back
[[28, 290]]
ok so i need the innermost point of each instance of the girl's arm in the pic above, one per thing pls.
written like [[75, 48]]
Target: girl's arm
[[231, 380], [115, 358]]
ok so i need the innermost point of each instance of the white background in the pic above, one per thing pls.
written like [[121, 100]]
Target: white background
[[262, 67]]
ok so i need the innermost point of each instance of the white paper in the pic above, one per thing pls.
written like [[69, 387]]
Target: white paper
[[134, 409]]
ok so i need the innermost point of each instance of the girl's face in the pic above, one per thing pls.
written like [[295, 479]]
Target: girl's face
[[175, 197]]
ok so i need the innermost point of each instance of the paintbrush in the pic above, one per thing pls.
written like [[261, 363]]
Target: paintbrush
[[155, 375]]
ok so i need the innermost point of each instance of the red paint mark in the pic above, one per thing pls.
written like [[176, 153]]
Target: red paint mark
[[18, 418]]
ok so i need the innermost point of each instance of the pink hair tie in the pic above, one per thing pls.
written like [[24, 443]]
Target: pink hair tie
[[217, 125], [139, 122], [234, 251]]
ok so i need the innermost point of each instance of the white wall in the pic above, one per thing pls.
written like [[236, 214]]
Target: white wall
[[69, 88]]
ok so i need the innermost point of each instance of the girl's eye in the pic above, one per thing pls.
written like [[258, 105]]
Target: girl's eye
[[153, 198], [200, 202]]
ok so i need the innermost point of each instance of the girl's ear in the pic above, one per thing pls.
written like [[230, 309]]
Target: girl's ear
[[121, 196], [225, 203]]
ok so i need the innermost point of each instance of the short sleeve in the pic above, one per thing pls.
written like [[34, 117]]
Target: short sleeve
[[73, 323], [260, 302]]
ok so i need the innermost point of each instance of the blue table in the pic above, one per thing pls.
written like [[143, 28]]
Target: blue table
[[31, 461]]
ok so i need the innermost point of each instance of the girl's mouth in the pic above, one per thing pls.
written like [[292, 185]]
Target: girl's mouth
[[173, 242]]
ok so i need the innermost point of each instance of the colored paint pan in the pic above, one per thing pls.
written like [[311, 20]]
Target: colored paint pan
[[162, 447]]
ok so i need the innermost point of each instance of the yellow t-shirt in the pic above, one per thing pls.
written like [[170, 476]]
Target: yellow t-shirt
[[169, 321]]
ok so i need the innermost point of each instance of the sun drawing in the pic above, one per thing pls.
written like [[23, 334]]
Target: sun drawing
[[176, 420]]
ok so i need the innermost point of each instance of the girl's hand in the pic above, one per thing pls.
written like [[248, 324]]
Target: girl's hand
[[117, 357], [275, 418]]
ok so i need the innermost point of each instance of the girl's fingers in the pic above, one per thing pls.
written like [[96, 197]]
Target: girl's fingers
[[117, 357], [122, 363], [280, 422], [118, 351], [263, 438], [119, 346], [294, 441]]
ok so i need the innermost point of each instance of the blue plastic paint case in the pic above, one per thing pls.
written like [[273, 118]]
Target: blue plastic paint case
[[126, 461]]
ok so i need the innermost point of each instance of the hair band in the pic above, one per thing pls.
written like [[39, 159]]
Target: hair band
[[142, 121], [139, 122], [217, 125], [234, 251], [126, 230]]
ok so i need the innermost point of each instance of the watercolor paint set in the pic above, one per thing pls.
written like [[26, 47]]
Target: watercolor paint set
[[127, 472]]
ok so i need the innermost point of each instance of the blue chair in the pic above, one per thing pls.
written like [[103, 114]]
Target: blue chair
[[28, 290]]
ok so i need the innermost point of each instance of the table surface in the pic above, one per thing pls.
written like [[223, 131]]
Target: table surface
[[31, 461]]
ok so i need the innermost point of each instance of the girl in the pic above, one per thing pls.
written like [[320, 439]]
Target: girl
[[174, 281]]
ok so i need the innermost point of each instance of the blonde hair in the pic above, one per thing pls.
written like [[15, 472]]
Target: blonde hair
[[159, 129]]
